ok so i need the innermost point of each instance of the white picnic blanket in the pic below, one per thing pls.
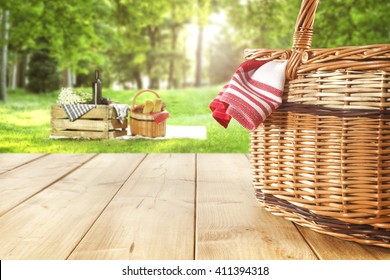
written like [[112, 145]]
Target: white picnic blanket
[[121, 111], [176, 132]]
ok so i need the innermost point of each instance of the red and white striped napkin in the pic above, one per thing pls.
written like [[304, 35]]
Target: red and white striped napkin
[[253, 93]]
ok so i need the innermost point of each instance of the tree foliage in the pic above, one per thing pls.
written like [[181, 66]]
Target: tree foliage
[[129, 40], [68, 26], [352, 23], [148, 40], [270, 23]]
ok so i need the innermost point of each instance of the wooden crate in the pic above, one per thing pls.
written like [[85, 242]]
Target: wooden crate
[[99, 123]]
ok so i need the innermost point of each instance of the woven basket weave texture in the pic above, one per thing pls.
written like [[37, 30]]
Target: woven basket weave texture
[[322, 159]]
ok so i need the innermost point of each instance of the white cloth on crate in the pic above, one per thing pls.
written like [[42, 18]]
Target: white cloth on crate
[[121, 111]]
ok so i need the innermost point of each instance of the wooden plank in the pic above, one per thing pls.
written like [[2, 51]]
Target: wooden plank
[[88, 134], [332, 248], [90, 125], [52, 223], [151, 217], [100, 112], [81, 134], [12, 161], [230, 222], [20, 184]]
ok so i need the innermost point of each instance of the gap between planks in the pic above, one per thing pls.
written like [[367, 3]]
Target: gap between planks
[[20, 184], [156, 220], [105, 208], [10, 161], [195, 249], [220, 179], [51, 223], [230, 222]]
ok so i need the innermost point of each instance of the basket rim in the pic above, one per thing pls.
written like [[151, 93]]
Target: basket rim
[[350, 58], [284, 54], [142, 92]]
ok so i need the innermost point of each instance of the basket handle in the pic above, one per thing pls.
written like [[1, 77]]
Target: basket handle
[[302, 36], [143, 91]]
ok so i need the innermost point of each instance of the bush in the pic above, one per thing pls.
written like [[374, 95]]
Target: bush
[[43, 75]]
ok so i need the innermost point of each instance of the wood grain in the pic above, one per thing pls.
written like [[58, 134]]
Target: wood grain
[[99, 123], [52, 223], [230, 222], [87, 125], [88, 134], [122, 206], [151, 217], [20, 184], [10, 161], [103, 112], [331, 248]]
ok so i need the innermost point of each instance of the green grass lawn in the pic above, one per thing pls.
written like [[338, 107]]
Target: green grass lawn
[[25, 126]]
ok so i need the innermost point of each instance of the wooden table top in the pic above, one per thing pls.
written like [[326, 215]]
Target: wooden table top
[[148, 206]]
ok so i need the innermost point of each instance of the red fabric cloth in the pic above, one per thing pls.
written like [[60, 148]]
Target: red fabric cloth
[[219, 109], [160, 117], [252, 94]]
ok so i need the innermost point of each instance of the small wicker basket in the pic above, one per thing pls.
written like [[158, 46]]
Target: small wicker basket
[[322, 160], [144, 124]]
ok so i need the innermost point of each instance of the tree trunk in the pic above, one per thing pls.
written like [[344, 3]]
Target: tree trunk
[[184, 75], [138, 79], [13, 76], [154, 83], [151, 61], [13, 73], [67, 78], [172, 81], [21, 72], [4, 55], [199, 50]]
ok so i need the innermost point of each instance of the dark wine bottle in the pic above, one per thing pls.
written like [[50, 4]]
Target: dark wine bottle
[[97, 89]]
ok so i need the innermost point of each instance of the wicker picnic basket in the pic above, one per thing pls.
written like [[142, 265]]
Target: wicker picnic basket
[[322, 159], [144, 124]]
